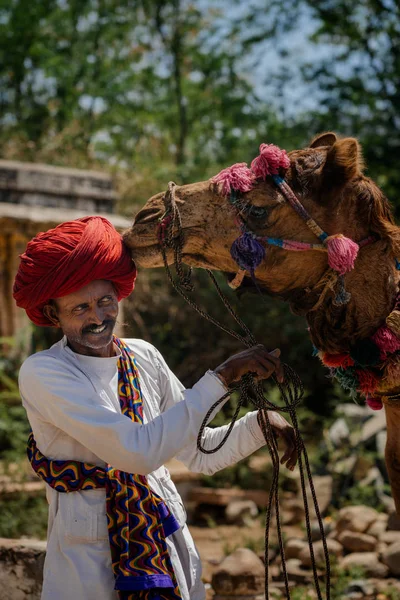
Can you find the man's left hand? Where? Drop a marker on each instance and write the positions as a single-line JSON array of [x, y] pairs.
[[282, 429]]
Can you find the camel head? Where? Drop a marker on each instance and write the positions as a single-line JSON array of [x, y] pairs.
[[245, 222], [327, 177]]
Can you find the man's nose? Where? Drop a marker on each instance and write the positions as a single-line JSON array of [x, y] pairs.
[[97, 315]]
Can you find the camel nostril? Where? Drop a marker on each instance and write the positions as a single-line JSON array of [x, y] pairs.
[[149, 215]]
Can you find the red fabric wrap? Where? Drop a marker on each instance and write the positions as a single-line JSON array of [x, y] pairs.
[[64, 259]]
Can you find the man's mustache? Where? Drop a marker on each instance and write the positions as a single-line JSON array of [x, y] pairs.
[[94, 327]]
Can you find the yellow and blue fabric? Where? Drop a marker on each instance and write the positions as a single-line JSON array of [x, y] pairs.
[[138, 519]]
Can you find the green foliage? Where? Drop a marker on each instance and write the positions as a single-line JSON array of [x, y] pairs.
[[156, 88], [14, 427], [353, 73], [340, 580], [23, 516], [14, 431]]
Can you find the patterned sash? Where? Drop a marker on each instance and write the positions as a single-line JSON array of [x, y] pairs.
[[138, 519]]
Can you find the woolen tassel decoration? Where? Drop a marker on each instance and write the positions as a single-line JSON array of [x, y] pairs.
[[374, 403], [393, 322], [386, 340], [342, 253], [247, 252], [269, 161], [337, 360], [347, 378], [342, 297], [238, 177], [391, 375], [368, 381]]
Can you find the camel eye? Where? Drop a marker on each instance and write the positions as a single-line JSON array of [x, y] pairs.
[[258, 212]]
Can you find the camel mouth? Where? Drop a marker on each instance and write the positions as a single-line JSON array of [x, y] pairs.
[[197, 260], [247, 285], [151, 256]]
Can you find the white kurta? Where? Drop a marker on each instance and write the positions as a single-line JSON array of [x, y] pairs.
[[73, 408]]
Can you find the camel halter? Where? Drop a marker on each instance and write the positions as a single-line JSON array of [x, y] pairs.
[[248, 250]]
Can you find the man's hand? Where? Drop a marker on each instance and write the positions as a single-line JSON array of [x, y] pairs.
[[256, 360], [282, 429]]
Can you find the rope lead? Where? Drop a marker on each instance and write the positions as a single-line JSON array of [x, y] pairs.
[[171, 236]]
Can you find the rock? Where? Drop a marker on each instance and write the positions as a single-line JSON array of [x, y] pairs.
[[293, 511], [374, 477], [380, 549], [334, 549], [323, 485], [240, 574], [362, 586], [297, 573], [379, 527], [355, 412], [345, 466], [21, 568], [387, 502], [393, 521], [387, 586], [353, 541], [339, 432], [316, 532], [373, 426], [291, 481], [241, 512], [293, 547], [390, 537], [391, 558], [362, 467], [368, 561], [356, 518]]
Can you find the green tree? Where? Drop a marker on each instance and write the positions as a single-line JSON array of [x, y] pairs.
[[354, 73]]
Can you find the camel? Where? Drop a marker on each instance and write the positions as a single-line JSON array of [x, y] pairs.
[[347, 286]]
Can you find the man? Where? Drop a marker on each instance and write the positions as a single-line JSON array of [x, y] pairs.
[[78, 395]]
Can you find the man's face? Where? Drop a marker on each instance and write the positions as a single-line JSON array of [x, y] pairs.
[[87, 317]]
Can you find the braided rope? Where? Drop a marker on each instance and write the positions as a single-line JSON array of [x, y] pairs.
[[171, 237], [299, 208]]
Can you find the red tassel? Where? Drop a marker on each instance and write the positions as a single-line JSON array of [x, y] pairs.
[[337, 360]]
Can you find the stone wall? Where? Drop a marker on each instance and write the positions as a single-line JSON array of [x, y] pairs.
[[35, 184], [21, 569]]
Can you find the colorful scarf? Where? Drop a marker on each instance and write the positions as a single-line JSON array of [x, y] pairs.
[[138, 519]]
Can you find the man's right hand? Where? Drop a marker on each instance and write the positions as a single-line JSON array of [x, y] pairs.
[[256, 360]]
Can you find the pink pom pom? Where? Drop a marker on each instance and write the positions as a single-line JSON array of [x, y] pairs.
[[238, 176], [374, 403], [386, 340], [270, 160], [368, 381], [342, 253]]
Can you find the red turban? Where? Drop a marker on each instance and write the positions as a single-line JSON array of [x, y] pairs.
[[65, 259]]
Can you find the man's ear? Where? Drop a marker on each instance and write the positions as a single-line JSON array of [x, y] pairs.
[[50, 311], [323, 139], [343, 162]]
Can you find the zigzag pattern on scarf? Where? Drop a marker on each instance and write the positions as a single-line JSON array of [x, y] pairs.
[[138, 519]]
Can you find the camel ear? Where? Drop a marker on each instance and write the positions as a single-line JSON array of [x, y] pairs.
[[343, 162], [323, 139]]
